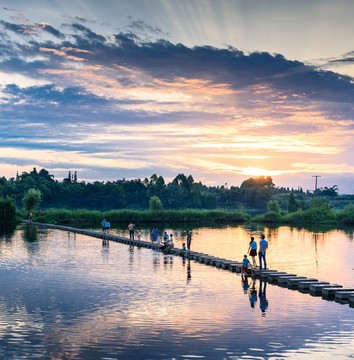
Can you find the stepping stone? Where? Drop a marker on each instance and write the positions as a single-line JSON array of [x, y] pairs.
[[215, 261], [227, 263], [274, 276], [286, 280], [233, 266], [331, 291], [264, 274], [351, 300], [283, 279], [305, 284], [343, 295], [295, 282]]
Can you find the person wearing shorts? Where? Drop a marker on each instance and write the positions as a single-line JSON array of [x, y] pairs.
[[252, 249], [245, 263], [131, 231]]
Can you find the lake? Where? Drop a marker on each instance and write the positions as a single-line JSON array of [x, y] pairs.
[[68, 296]]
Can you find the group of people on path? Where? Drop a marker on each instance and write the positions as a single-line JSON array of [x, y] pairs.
[[106, 225], [166, 242], [252, 250]]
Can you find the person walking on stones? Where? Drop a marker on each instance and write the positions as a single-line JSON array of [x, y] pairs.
[[189, 240], [139, 234], [155, 233], [263, 246], [131, 231], [103, 223], [252, 250], [245, 263]]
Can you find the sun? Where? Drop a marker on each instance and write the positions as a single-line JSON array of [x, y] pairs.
[[253, 171]]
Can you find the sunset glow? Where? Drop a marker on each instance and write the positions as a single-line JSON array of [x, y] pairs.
[[125, 90]]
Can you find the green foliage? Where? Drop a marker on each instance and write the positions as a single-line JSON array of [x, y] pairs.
[[181, 193], [88, 217], [346, 216], [7, 210], [292, 204], [155, 203], [320, 212], [31, 200], [273, 206], [269, 217], [257, 191]]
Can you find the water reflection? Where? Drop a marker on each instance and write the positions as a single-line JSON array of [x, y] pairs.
[[262, 294], [7, 230], [31, 233], [71, 302]]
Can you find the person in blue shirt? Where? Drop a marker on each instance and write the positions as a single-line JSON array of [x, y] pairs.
[[245, 263], [263, 246], [252, 249], [154, 233], [108, 226], [103, 223]]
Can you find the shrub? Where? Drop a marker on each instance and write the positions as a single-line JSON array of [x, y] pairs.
[[292, 203], [346, 216], [273, 206], [7, 210], [269, 217], [31, 200], [155, 203]]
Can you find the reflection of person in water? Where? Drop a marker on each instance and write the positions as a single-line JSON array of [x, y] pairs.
[[244, 281], [189, 276], [252, 294], [263, 305]]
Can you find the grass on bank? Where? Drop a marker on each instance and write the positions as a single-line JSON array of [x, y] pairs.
[[59, 216], [318, 213], [321, 213]]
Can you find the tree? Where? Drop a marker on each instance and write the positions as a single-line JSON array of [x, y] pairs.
[[292, 203], [7, 209], [155, 203], [32, 200], [273, 206]]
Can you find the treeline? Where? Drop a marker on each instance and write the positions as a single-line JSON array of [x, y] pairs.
[[181, 193]]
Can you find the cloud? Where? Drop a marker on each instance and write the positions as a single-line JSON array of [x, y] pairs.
[[87, 33], [165, 61], [20, 28], [105, 95], [32, 29], [141, 26], [48, 28]]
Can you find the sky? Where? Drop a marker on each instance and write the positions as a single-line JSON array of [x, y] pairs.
[[222, 90]]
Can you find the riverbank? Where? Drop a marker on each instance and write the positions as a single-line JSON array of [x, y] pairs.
[[321, 215], [62, 216]]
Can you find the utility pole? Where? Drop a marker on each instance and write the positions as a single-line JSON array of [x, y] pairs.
[[315, 176]]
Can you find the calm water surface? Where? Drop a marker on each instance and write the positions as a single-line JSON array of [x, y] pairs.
[[327, 256], [66, 296]]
